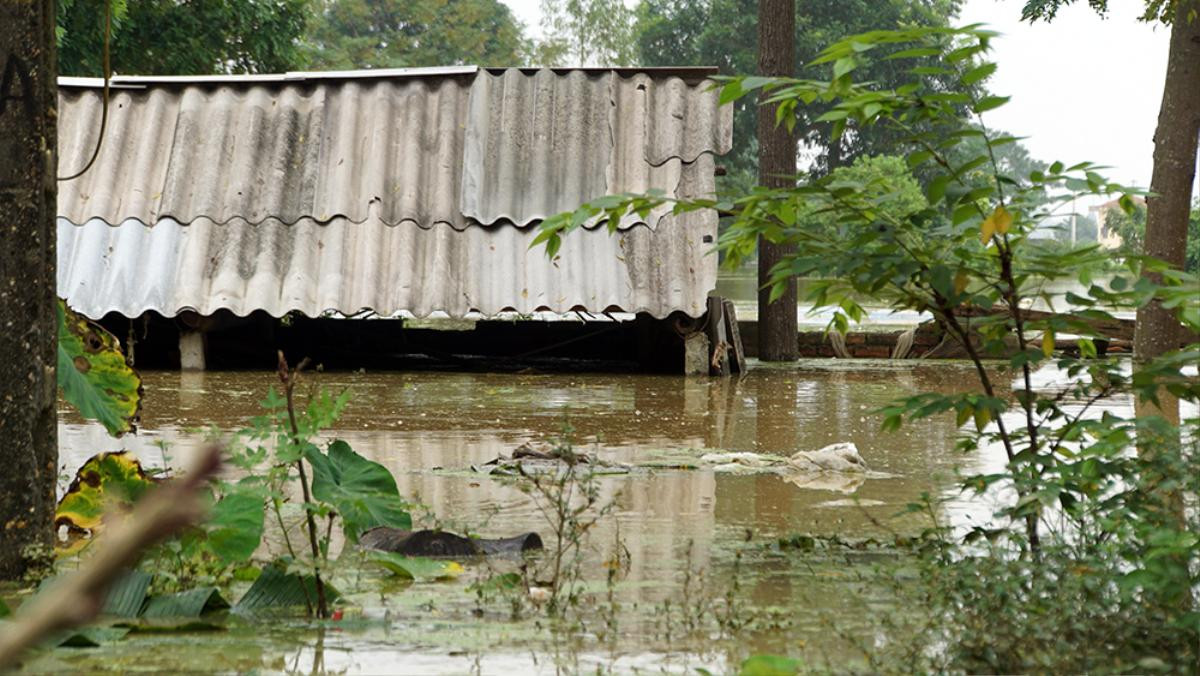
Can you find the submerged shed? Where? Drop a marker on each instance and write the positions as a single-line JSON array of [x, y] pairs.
[[405, 192]]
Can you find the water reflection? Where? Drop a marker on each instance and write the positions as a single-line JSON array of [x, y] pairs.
[[429, 428], [417, 423]]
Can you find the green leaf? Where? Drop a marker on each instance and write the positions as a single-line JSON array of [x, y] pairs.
[[416, 568], [363, 492], [978, 73], [94, 375], [235, 526], [190, 603], [990, 103], [105, 480], [770, 665], [278, 589]]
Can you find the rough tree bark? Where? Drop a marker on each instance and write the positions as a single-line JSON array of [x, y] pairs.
[[777, 329], [1175, 148], [1167, 208], [28, 339]]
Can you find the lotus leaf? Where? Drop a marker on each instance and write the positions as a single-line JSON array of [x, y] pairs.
[[94, 375], [362, 491]]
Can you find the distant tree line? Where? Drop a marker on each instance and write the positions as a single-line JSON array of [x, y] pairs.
[[169, 37]]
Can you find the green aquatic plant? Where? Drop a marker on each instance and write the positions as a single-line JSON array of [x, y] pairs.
[[345, 485], [1086, 485]]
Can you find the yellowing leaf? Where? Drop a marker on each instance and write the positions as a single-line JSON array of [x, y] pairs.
[[94, 375], [1003, 218], [983, 416], [104, 481], [1048, 343], [998, 222], [960, 282]]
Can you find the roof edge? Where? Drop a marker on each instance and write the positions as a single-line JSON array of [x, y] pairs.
[[142, 81]]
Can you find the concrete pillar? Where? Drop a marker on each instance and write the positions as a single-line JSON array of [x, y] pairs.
[[191, 350], [696, 357]]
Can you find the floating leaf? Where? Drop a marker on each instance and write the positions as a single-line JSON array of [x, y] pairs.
[[104, 480], [190, 603], [363, 492], [276, 588], [169, 626], [94, 375], [770, 665], [90, 637], [415, 568]]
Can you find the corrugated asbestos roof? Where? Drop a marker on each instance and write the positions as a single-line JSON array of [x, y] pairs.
[[403, 191], [347, 267]]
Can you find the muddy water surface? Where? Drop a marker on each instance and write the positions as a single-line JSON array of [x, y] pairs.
[[683, 528]]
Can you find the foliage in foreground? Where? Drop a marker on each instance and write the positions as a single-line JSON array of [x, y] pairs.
[[1095, 504], [94, 375]]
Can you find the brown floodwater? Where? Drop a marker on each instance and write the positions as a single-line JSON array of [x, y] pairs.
[[678, 525]]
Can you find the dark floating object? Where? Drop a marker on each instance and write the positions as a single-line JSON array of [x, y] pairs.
[[433, 543]]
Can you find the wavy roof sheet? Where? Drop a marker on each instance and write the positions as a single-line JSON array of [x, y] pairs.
[[459, 162], [347, 267]]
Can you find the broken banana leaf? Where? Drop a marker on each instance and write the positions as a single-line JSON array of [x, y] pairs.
[[128, 595], [190, 603], [276, 588], [94, 375]]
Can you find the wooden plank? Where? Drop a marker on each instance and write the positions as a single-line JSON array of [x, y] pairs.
[[718, 345], [738, 362]]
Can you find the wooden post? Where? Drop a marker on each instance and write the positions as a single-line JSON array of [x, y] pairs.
[[715, 329], [28, 328], [738, 361]]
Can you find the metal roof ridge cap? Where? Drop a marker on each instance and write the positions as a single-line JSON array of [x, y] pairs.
[[94, 82], [141, 81], [623, 71], [422, 71]]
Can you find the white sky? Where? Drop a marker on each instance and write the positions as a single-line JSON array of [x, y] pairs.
[[1083, 88]]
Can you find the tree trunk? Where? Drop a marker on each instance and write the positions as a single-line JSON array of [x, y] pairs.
[[1175, 145], [777, 332], [28, 336]]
